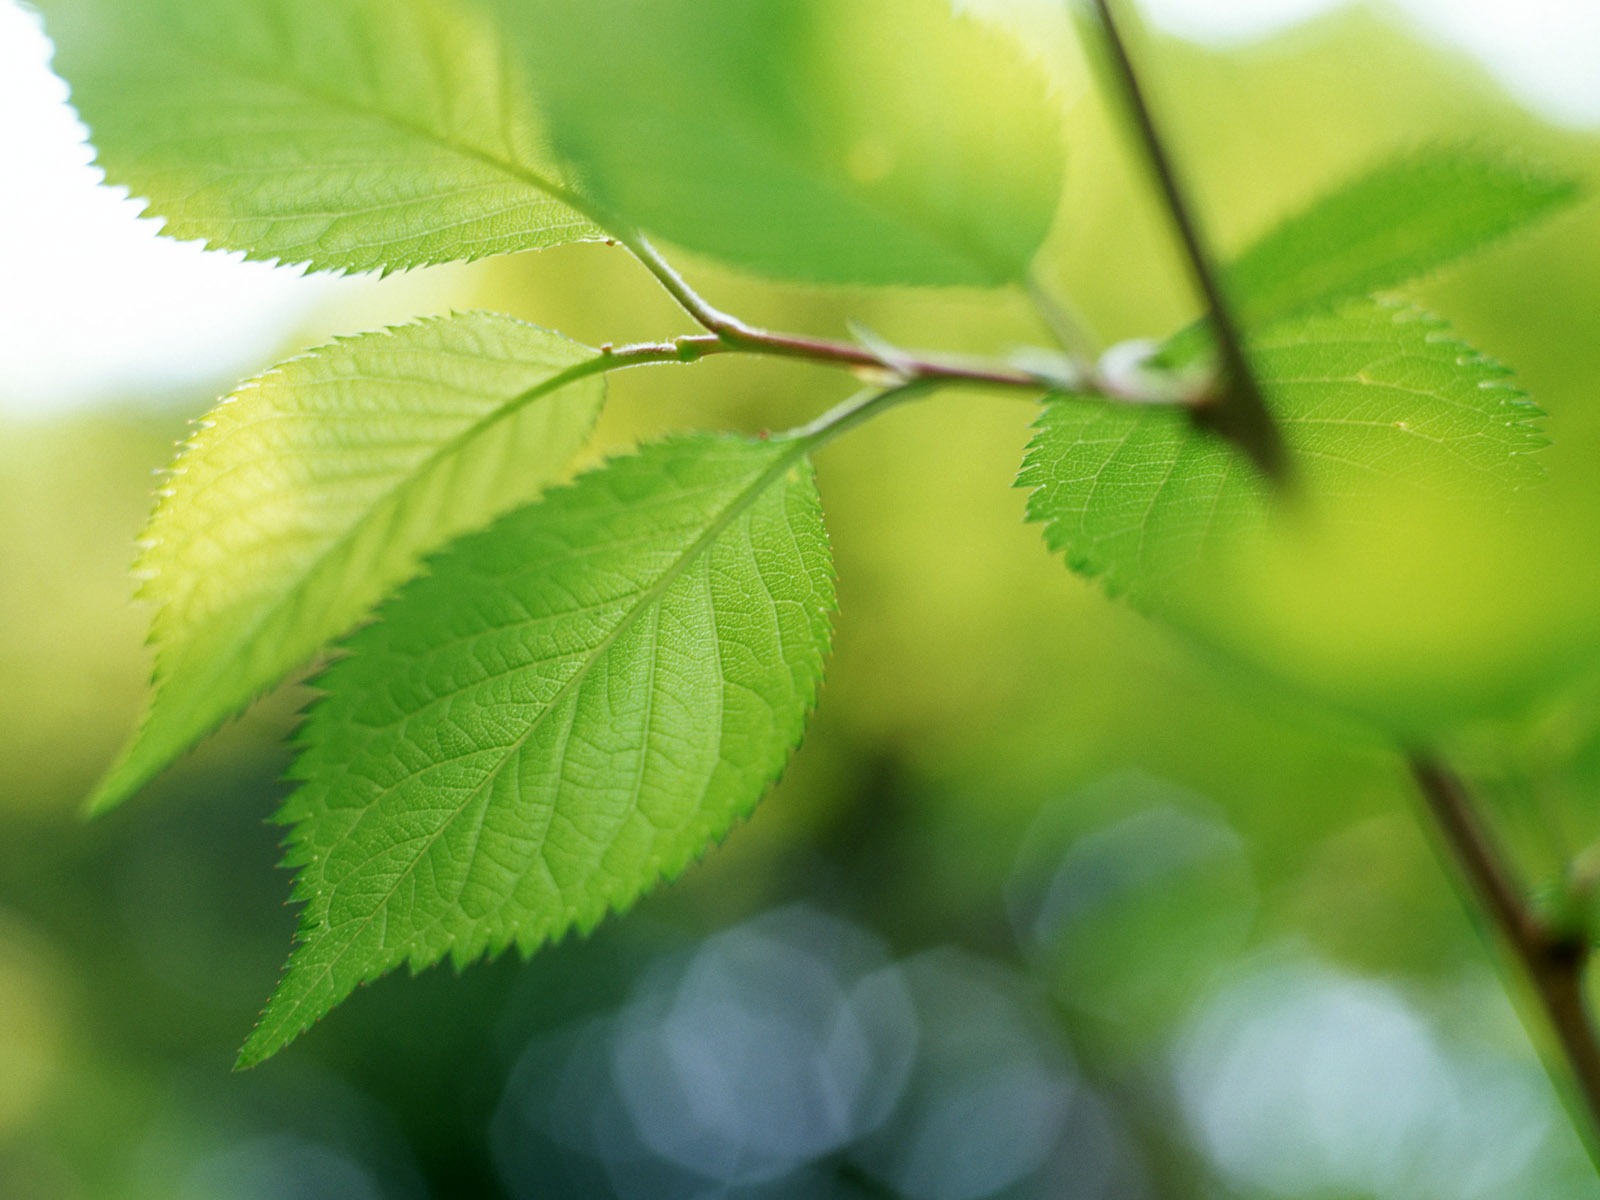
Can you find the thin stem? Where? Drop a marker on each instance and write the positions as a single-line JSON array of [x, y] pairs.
[[1552, 959], [859, 409], [1240, 413], [705, 314], [736, 335], [689, 348], [692, 347], [1063, 323]]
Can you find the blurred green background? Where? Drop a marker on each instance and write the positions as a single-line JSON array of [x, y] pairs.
[[1049, 904]]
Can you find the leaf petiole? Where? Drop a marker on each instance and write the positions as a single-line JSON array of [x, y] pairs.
[[735, 335]]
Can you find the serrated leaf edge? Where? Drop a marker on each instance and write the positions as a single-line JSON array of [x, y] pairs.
[[611, 904], [104, 798]]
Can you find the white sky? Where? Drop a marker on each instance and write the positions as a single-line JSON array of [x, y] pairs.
[[92, 302], [1546, 52], [93, 305]]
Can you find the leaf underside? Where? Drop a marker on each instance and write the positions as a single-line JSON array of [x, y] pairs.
[[568, 707], [344, 134], [313, 490], [1370, 392]]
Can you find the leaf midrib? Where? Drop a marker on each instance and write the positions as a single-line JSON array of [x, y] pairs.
[[390, 500], [720, 524], [297, 85]]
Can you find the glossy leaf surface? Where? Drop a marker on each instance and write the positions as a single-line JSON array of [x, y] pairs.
[[346, 134]]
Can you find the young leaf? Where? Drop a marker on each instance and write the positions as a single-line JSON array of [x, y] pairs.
[[346, 134], [829, 140], [567, 708], [311, 491], [1370, 391], [1407, 217]]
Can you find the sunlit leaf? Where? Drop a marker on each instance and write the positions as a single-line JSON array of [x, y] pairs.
[[311, 491], [569, 707], [347, 134]]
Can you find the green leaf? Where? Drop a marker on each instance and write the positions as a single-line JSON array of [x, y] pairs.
[[1371, 391], [311, 491], [823, 140], [567, 708], [1407, 217], [347, 134]]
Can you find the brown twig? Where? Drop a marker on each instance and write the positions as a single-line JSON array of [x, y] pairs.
[[1240, 413], [1553, 959], [729, 334]]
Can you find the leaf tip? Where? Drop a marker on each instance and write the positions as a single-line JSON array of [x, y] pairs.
[[119, 783], [263, 1043], [281, 1022]]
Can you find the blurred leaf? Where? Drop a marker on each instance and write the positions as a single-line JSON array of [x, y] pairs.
[[571, 706], [830, 141], [1418, 610], [313, 490], [1407, 217], [1372, 391], [1418, 580], [347, 134]]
